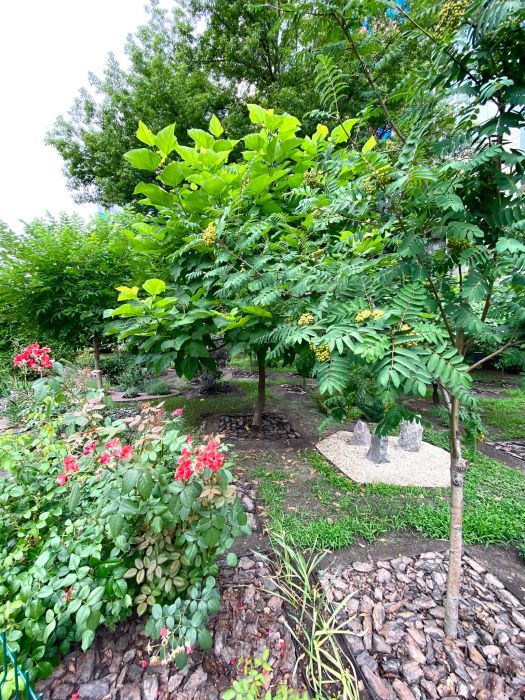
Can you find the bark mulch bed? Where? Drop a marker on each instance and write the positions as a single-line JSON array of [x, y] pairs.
[[293, 389], [398, 620], [514, 448], [274, 427]]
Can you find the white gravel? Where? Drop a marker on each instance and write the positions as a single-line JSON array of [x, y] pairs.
[[429, 467]]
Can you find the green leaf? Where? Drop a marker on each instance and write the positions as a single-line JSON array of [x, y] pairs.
[[231, 559], [215, 127], [205, 639], [258, 115], [143, 159], [201, 138], [74, 498], [257, 311], [154, 286], [166, 140], [181, 660], [116, 524], [87, 639], [145, 135], [173, 174], [145, 483], [369, 145], [155, 194]]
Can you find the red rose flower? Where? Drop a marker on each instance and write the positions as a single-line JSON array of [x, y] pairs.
[[62, 479], [71, 463], [89, 447], [105, 458]]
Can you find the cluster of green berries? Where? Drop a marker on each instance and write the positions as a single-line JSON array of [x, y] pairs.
[[322, 352], [451, 14], [457, 245], [312, 179], [306, 320], [210, 234]]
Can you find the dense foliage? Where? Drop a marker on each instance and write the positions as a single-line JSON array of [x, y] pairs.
[[58, 277], [102, 517], [210, 56]]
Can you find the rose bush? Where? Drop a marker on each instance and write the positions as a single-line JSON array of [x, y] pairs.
[[105, 517]]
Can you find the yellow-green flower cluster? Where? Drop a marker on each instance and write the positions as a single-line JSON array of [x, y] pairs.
[[306, 320], [210, 234], [322, 352], [374, 314], [451, 14], [312, 179]]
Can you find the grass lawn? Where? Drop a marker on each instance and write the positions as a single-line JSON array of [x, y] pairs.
[[506, 416], [318, 506]]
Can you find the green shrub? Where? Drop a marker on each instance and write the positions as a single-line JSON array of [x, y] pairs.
[[134, 376], [157, 387], [255, 681], [93, 528], [114, 366]]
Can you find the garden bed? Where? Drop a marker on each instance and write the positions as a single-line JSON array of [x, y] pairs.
[[274, 427], [397, 619], [119, 665]]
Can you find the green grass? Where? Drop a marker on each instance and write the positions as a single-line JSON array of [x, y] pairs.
[[506, 415], [345, 511]]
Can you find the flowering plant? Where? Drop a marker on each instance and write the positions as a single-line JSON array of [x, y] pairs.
[[98, 521], [35, 357]]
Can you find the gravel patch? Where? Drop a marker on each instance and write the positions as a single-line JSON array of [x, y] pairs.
[[429, 467]]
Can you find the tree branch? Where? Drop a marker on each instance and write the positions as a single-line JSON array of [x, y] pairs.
[[344, 28], [492, 355]]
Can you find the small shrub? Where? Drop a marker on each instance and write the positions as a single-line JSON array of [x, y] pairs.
[[256, 681], [158, 387], [115, 365], [134, 376]]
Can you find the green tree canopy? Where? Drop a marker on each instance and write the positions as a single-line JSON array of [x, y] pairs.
[[59, 275]]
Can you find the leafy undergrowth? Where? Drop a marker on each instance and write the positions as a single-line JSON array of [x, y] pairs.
[[506, 416], [196, 409], [330, 511]]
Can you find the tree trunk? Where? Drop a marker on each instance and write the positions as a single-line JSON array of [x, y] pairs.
[[261, 389], [96, 357], [457, 474], [435, 394]]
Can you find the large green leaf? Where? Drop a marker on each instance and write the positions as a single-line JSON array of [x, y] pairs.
[[143, 159]]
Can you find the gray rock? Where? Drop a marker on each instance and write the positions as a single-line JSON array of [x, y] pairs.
[[94, 690], [379, 645], [361, 435], [197, 679], [85, 666], [245, 563], [411, 436], [378, 616], [402, 690], [412, 672], [128, 656], [518, 619], [380, 688], [364, 567], [378, 452], [150, 687], [63, 692]]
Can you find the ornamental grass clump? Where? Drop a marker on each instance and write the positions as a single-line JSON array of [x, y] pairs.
[[105, 518]]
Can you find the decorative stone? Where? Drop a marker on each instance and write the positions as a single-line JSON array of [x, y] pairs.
[[94, 690], [378, 452], [411, 436], [362, 435], [379, 687]]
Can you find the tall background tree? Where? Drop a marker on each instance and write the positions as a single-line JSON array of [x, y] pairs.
[[59, 276], [205, 57]]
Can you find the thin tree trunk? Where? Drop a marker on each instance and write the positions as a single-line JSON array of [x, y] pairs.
[[96, 357], [261, 389], [457, 474]]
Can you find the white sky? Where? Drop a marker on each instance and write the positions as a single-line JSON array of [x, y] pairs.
[[47, 48]]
